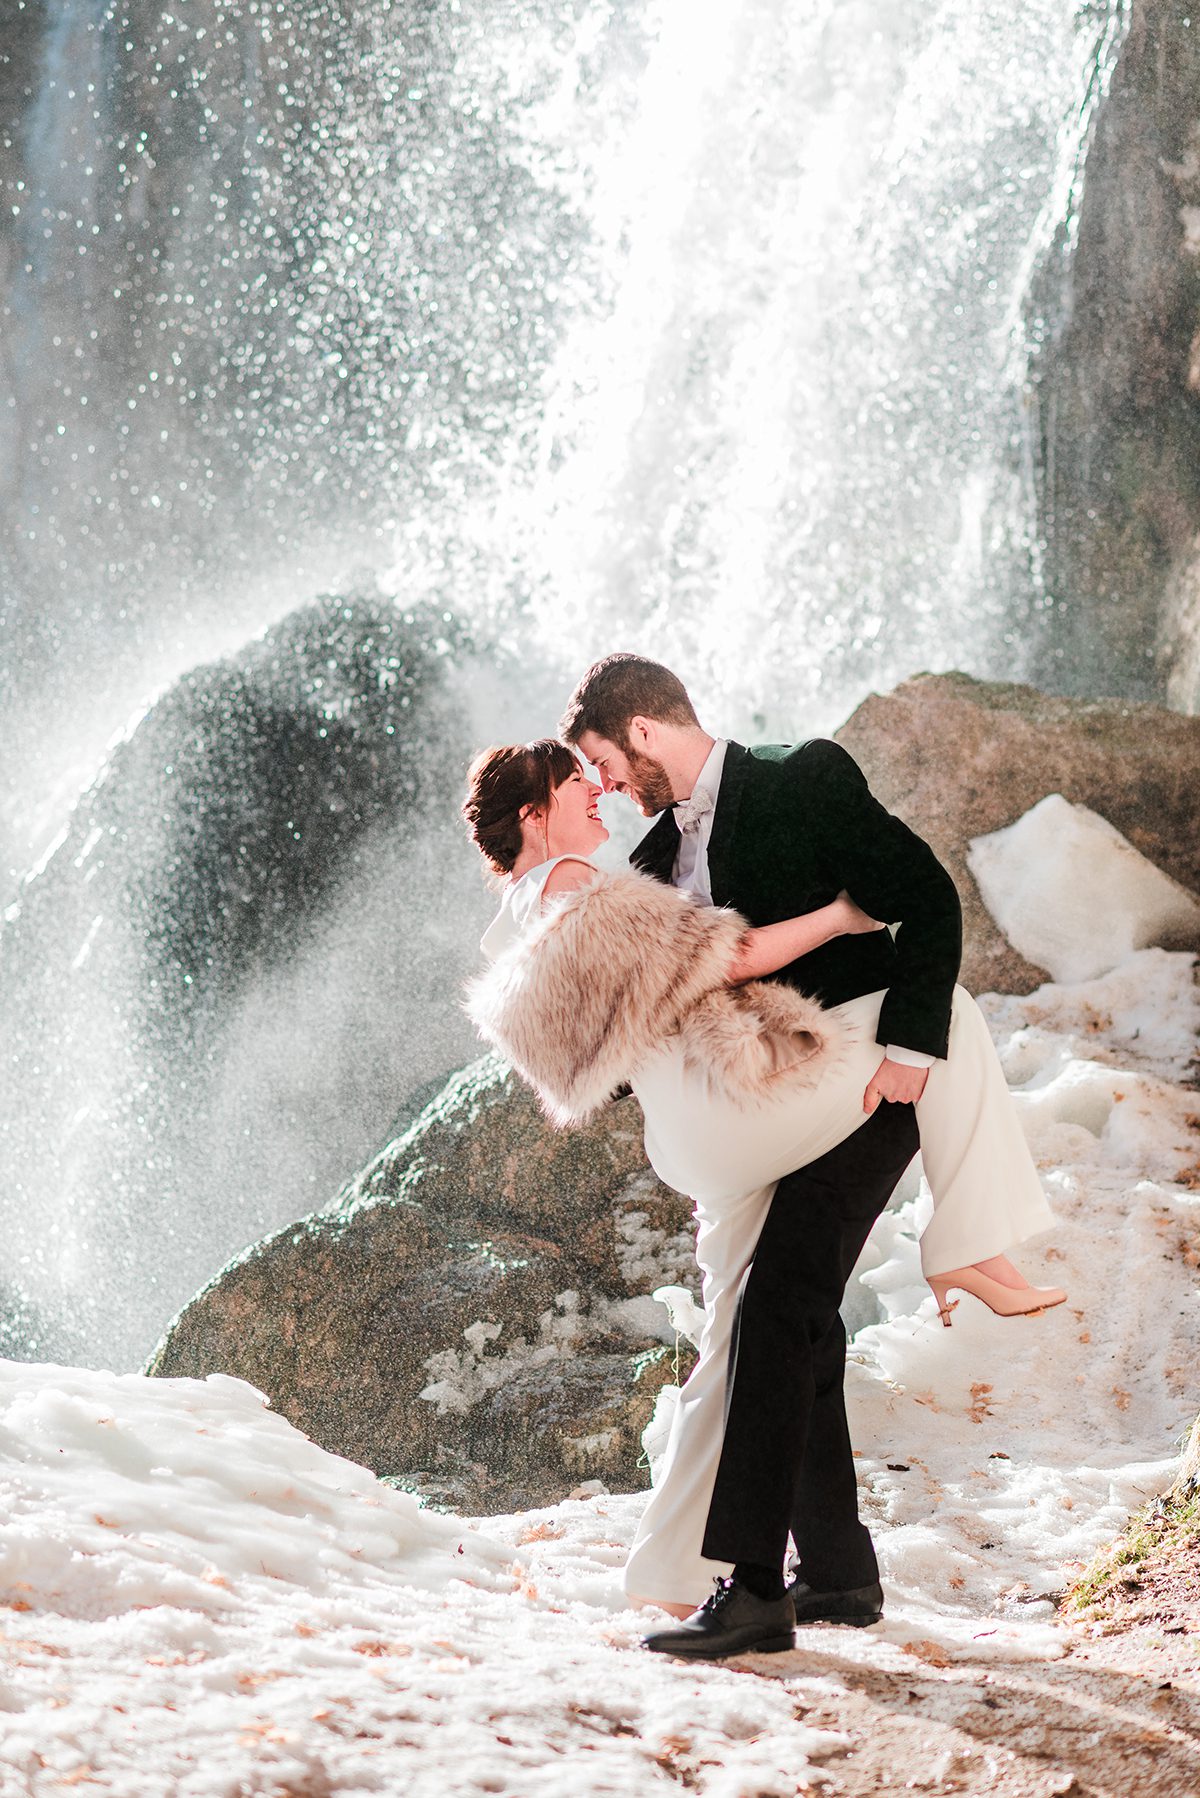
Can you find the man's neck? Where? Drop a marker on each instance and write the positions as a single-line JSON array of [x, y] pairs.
[[685, 766]]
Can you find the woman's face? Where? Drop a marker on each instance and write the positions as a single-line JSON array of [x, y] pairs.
[[573, 825]]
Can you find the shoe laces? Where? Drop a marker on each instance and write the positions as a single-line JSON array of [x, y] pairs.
[[721, 1593]]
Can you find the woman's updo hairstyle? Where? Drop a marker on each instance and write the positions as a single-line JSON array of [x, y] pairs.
[[501, 783]]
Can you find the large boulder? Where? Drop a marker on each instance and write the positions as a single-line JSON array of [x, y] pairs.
[[470, 1313], [958, 758], [199, 987]]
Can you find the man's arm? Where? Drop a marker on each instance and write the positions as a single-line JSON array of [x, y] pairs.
[[892, 874]]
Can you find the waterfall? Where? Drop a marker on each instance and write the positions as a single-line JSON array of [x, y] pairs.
[[706, 330], [790, 453], [616, 323]]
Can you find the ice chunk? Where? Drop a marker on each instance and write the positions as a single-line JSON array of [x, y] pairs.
[[685, 1314], [657, 1433], [1074, 896]]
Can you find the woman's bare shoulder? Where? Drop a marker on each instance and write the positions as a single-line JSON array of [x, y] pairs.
[[567, 875]]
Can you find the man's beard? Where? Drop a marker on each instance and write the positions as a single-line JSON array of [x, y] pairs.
[[648, 783]]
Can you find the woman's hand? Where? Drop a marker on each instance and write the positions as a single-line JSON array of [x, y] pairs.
[[857, 922]]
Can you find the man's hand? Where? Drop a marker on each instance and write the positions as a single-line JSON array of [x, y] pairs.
[[895, 1082]]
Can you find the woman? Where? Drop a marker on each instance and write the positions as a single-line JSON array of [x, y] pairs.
[[601, 979]]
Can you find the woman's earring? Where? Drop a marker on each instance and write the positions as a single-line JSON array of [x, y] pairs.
[[542, 819]]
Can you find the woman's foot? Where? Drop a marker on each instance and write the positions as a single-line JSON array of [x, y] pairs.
[[999, 1284], [999, 1267], [661, 1604]]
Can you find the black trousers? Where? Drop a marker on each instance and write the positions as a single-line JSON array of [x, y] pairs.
[[786, 1463]]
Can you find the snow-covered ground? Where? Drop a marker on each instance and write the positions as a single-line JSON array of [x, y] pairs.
[[199, 1602]]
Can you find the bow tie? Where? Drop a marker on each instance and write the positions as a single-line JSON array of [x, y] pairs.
[[689, 814]]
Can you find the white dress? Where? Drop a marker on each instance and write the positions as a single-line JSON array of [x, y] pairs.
[[727, 1157]]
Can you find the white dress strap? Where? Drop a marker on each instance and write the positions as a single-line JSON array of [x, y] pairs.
[[521, 904]]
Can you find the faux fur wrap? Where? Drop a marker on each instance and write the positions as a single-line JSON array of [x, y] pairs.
[[591, 991]]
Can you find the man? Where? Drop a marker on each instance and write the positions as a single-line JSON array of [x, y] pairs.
[[776, 831]]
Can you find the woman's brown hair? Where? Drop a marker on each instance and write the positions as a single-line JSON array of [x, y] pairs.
[[501, 782]]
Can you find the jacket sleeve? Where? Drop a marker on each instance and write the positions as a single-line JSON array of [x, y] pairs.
[[894, 875]]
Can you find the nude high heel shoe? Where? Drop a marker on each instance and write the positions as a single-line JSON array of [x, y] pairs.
[[1005, 1301]]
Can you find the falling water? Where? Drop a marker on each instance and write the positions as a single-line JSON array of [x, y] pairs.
[[791, 449], [589, 324]]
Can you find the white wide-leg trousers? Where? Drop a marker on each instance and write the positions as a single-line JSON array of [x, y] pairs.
[[986, 1196]]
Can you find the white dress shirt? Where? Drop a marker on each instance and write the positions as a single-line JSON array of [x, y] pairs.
[[694, 816]]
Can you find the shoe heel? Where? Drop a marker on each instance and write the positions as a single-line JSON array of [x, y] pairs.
[[775, 1645], [1004, 1301], [944, 1310]]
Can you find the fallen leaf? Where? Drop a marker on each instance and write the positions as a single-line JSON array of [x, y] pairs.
[[540, 1532], [979, 1407]]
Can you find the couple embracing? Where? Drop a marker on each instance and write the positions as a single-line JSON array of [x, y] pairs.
[[790, 1054]]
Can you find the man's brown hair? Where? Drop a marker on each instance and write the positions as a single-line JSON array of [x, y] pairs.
[[621, 687]]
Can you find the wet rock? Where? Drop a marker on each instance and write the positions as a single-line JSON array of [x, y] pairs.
[[336, 1325], [200, 987], [459, 1318], [482, 1150], [959, 758], [1115, 389], [546, 1429]]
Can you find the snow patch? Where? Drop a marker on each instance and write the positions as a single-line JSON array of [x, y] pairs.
[[1074, 896]]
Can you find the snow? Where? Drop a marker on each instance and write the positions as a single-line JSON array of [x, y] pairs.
[[1073, 895], [200, 1603]]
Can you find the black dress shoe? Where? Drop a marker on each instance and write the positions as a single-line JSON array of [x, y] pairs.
[[732, 1621], [859, 1607]]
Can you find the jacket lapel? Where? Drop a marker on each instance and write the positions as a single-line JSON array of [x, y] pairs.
[[729, 801], [655, 854]]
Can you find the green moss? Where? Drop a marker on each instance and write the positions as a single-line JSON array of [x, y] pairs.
[[1166, 1522]]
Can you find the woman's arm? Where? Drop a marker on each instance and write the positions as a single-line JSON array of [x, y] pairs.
[[773, 946], [764, 949]]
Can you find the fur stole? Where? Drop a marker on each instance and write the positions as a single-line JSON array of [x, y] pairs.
[[595, 986]]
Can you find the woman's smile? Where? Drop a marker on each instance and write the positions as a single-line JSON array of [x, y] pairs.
[[575, 824]]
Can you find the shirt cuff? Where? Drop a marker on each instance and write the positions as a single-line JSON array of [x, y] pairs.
[[909, 1058]]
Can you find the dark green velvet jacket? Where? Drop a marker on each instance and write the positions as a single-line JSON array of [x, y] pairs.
[[793, 827]]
